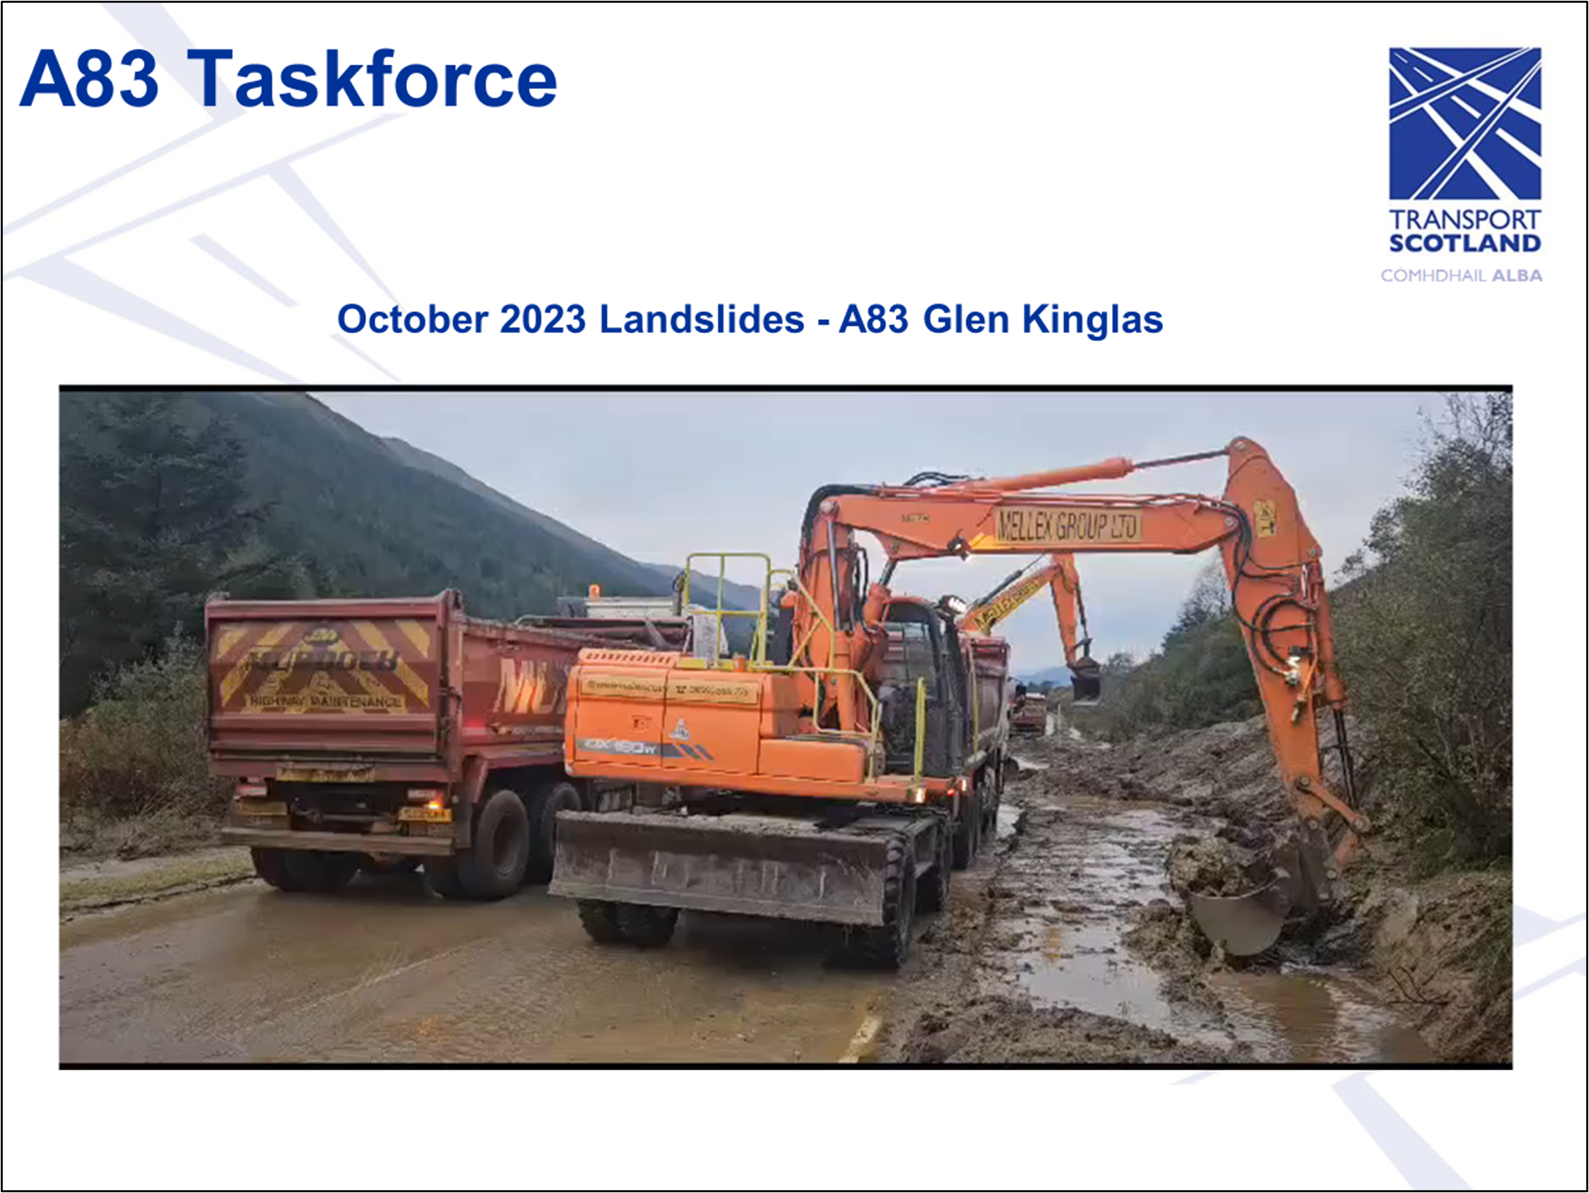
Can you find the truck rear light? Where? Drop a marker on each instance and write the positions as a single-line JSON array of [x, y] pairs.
[[252, 790], [431, 797]]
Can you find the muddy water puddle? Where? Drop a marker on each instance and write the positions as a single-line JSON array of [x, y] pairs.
[[1067, 894], [1303, 1016]]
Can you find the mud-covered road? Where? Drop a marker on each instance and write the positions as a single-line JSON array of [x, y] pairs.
[[382, 973], [1064, 943], [1072, 946]]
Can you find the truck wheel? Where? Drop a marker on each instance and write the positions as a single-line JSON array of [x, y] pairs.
[[543, 808], [933, 893], [600, 920], [990, 808], [968, 831], [441, 878], [500, 849], [644, 926], [323, 872], [271, 865], [888, 945]]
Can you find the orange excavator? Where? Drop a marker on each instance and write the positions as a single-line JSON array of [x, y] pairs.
[[826, 776], [1057, 572]]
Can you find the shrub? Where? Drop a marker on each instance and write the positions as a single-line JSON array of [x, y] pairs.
[[139, 750]]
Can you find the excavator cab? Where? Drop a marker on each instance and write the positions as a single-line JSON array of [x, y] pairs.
[[921, 645]]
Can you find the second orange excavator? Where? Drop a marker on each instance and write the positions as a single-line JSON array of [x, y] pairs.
[[824, 775], [1057, 572]]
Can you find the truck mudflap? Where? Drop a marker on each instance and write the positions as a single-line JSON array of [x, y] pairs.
[[779, 866]]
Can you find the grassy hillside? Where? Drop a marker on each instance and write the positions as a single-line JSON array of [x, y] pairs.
[[644, 576]]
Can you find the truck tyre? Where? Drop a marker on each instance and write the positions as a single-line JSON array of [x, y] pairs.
[[309, 870], [968, 830], [932, 894], [441, 878], [499, 851], [599, 918], [271, 865], [644, 926], [990, 806], [543, 808], [887, 946]]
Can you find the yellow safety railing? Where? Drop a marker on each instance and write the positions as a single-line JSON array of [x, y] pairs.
[[820, 675], [976, 703], [921, 728], [758, 646]]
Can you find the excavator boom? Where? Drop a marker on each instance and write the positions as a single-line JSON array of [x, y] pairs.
[[1273, 566]]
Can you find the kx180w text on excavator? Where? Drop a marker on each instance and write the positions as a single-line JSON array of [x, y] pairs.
[[829, 774]]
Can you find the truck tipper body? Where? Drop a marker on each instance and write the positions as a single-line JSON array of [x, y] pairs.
[[364, 732], [1030, 716]]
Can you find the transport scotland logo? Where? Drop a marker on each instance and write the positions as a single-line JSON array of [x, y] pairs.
[[1465, 124]]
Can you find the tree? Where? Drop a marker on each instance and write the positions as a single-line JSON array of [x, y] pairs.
[[155, 514], [1208, 601], [1426, 645]]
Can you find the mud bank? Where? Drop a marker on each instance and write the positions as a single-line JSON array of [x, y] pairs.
[[1068, 943], [994, 1030]]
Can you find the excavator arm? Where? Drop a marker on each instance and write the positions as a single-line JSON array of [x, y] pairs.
[[1057, 572], [1276, 578]]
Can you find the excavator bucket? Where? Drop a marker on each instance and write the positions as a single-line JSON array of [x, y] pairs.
[[1086, 682], [1243, 924], [1247, 924]]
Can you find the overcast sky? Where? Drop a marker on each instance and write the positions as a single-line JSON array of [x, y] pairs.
[[659, 475]]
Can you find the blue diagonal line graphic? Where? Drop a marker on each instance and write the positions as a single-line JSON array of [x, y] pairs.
[[1576, 967], [1419, 1164], [219, 188], [73, 280], [23, 221], [365, 357], [242, 269], [1431, 185]]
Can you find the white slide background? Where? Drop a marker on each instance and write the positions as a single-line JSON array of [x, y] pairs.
[[1224, 165]]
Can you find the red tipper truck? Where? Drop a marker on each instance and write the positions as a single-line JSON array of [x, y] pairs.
[[1030, 716], [377, 732]]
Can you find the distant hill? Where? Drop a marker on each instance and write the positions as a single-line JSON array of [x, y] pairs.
[[378, 517], [737, 596], [1057, 676]]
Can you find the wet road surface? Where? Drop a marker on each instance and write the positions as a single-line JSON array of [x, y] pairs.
[[381, 972]]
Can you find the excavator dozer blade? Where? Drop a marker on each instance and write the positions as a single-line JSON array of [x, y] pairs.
[[740, 863]]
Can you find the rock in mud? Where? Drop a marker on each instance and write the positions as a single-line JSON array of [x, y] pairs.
[[1206, 866]]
